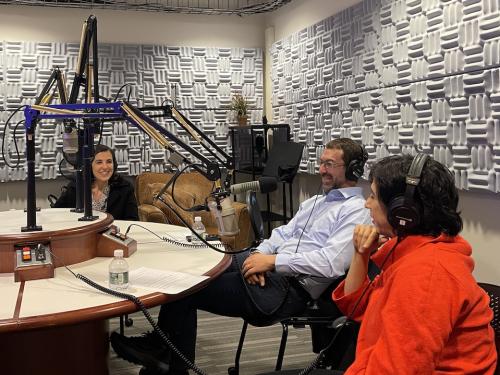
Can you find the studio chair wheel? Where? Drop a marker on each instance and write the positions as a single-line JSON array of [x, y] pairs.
[[129, 322], [125, 321], [232, 371]]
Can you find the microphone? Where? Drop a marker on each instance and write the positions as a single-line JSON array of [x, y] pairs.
[[264, 184], [70, 140], [225, 217]]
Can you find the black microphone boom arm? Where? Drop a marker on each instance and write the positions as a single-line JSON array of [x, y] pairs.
[[222, 157], [137, 118]]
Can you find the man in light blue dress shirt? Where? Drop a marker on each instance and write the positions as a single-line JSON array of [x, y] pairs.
[[277, 279]]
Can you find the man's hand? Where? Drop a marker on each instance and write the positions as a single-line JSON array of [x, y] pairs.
[[255, 266], [257, 279]]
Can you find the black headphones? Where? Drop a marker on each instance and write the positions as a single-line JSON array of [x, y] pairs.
[[403, 213], [356, 166]]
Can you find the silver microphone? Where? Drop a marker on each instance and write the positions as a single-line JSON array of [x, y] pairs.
[[225, 217], [264, 184], [70, 140]]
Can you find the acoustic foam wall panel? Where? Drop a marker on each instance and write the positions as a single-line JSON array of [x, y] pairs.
[[398, 76], [201, 79]]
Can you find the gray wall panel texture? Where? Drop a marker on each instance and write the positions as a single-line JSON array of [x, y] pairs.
[[205, 79], [398, 76]]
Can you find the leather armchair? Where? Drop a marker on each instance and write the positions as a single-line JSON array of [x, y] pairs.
[[190, 189]]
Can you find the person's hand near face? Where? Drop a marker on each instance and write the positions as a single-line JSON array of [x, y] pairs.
[[367, 239]]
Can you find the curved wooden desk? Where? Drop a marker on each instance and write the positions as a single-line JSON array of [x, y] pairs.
[[59, 325]]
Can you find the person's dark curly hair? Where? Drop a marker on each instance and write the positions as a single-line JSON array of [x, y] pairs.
[[436, 196]]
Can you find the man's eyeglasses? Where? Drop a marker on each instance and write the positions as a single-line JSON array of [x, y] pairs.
[[330, 164]]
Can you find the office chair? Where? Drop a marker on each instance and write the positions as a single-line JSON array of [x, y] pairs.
[[319, 315], [255, 218], [494, 293], [282, 163], [52, 200], [323, 318]]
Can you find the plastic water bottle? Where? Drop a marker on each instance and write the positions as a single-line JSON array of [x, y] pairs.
[[199, 228], [118, 271]]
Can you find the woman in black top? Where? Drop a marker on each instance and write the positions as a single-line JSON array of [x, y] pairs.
[[111, 193]]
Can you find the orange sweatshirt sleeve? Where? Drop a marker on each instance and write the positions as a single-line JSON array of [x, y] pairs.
[[347, 302]]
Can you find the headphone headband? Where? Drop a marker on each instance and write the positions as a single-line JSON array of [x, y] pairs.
[[403, 213], [416, 167], [356, 166]]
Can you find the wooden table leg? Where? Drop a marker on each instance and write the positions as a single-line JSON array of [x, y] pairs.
[[80, 349]]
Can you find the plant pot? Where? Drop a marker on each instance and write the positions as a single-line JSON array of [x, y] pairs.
[[242, 120]]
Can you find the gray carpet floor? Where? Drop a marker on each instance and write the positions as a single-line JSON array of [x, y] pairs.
[[217, 342]]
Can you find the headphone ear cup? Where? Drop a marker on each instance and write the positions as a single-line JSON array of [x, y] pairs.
[[402, 216], [354, 170]]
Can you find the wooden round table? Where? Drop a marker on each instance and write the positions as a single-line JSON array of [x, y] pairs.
[[59, 325]]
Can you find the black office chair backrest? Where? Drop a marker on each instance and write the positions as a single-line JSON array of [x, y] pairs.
[[52, 200], [255, 217], [494, 293], [283, 161]]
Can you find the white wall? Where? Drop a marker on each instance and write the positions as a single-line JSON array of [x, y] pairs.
[[13, 193], [22, 23], [480, 212], [300, 14], [289, 19]]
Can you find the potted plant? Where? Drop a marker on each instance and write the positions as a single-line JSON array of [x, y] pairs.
[[240, 106]]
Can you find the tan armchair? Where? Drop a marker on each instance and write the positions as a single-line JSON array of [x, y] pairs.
[[190, 189]]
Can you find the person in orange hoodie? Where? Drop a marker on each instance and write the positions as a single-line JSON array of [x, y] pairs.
[[424, 312]]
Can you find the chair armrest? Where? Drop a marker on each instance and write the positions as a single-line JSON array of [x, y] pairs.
[[148, 212], [243, 220]]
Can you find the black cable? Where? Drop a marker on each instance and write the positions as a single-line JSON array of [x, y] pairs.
[[120, 91], [166, 101], [323, 351], [101, 130], [61, 172], [15, 142], [143, 309], [171, 240], [310, 214], [196, 234], [191, 209]]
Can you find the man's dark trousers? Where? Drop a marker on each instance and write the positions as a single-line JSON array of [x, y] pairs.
[[230, 295]]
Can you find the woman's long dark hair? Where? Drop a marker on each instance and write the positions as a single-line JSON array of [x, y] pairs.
[[436, 196], [103, 148]]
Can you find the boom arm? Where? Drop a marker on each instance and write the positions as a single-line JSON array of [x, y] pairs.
[[136, 117]]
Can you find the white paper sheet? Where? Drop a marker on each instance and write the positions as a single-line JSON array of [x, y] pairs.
[[163, 281]]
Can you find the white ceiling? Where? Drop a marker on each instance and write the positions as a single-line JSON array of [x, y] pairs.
[[215, 7]]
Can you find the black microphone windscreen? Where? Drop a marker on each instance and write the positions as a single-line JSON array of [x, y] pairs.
[[268, 184]]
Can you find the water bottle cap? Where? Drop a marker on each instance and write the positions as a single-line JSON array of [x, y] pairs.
[[118, 253], [197, 218]]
